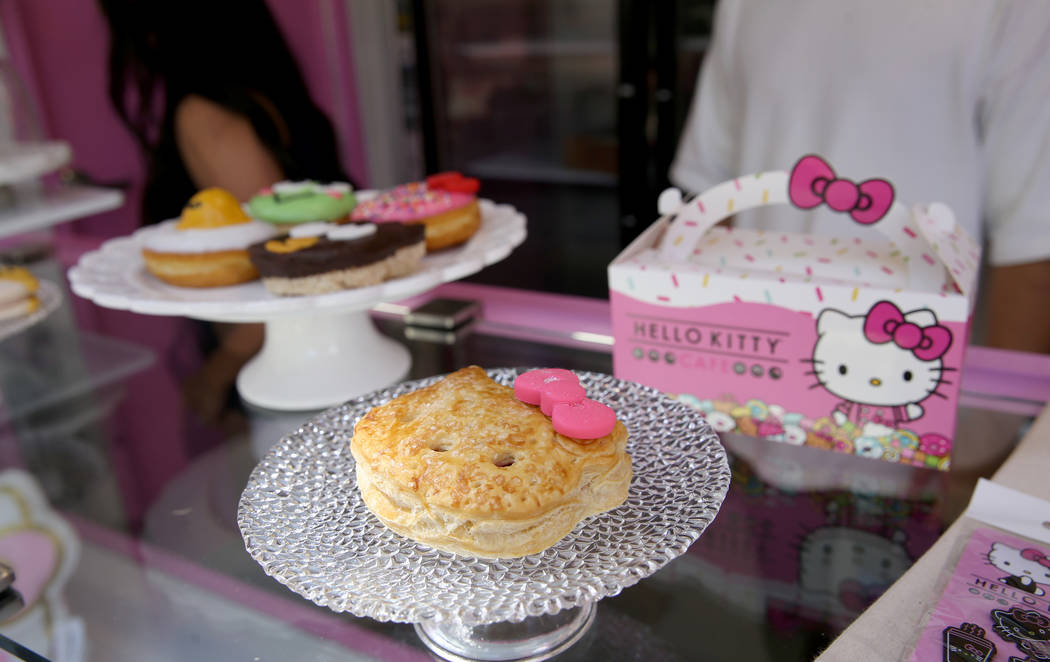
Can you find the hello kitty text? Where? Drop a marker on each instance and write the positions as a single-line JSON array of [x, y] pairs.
[[710, 337]]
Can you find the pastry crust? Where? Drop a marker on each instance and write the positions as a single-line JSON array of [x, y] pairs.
[[464, 466], [213, 269]]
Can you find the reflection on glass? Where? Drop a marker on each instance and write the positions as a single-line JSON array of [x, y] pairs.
[[523, 96]]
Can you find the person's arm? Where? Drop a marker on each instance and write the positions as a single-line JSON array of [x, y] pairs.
[[1014, 127], [220, 148], [1018, 307]]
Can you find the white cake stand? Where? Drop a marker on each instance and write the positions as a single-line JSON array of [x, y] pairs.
[[319, 350]]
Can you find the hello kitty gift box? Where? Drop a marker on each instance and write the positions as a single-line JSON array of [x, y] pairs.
[[848, 344]]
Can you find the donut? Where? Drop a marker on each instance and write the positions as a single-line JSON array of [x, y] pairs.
[[445, 204], [208, 246], [302, 202], [935, 444], [18, 290], [820, 440], [318, 258]]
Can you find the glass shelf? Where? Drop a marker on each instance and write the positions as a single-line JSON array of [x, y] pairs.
[[163, 558], [67, 203], [45, 367]]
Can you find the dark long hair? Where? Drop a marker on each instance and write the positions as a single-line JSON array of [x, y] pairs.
[[228, 51]]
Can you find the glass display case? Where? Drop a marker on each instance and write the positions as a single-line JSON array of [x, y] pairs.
[[125, 447], [803, 543], [570, 111]]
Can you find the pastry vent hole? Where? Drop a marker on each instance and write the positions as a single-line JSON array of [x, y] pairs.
[[440, 446], [503, 460]]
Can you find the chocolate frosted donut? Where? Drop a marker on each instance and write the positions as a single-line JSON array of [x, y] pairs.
[[323, 261]]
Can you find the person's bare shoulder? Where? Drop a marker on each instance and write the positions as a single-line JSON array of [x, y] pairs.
[[220, 148], [195, 109]]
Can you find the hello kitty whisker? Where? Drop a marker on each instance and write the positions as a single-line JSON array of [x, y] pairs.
[[811, 372], [811, 360], [944, 369], [939, 395], [817, 385]]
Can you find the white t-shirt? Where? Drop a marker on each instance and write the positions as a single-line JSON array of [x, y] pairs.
[[948, 99]]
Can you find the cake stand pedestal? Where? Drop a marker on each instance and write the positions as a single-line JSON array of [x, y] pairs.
[[319, 350], [311, 361], [338, 554], [530, 640]]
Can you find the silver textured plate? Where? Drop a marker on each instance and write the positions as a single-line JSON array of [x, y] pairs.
[[303, 520]]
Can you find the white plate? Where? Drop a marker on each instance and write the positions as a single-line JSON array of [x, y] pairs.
[[115, 276]]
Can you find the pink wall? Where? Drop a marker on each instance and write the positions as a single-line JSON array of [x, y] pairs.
[[60, 47], [68, 70], [318, 34]]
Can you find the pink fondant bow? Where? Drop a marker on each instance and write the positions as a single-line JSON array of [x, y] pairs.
[[885, 323], [813, 182], [1037, 556]]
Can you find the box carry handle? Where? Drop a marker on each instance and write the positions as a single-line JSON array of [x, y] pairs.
[[928, 235]]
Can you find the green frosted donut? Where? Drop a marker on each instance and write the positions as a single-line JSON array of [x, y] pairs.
[[302, 202]]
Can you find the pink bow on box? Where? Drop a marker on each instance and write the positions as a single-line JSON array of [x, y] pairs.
[[813, 182], [1037, 556], [885, 323]]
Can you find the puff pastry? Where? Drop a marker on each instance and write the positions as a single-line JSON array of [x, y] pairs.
[[464, 466]]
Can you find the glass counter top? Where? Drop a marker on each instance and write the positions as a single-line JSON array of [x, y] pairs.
[[805, 540]]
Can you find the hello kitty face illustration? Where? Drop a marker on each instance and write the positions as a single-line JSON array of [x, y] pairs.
[[1027, 628], [1025, 568], [884, 359], [43, 550]]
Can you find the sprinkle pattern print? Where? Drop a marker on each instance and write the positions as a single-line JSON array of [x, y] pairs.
[[922, 245], [952, 245], [693, 220], [820, 259]]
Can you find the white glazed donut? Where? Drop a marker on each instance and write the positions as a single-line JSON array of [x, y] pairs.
[[169, 239]]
